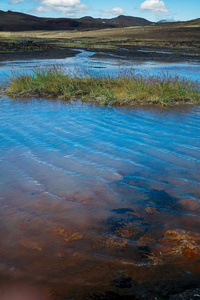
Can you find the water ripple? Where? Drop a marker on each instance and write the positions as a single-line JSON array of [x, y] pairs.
[[83, 181]]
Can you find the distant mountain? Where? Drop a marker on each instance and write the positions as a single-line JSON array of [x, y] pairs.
[[15, 21], [166, 21], [195, 22], [126, 21]]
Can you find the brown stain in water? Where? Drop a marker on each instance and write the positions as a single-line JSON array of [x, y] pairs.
[[73, 250]]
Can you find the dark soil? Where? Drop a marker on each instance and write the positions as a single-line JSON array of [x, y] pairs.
[[148, 53], [27, 50], [33, 50]]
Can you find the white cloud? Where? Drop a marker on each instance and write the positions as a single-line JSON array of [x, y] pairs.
[[60, 6], [42, 9], [115, 11], [155, 6], [71, 15], [63, 3], [16, 1]]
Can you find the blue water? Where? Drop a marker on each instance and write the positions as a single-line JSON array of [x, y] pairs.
[[84, 62], [82, 187], [159, 146]]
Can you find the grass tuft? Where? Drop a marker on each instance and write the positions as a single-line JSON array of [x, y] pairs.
[[128, 88]]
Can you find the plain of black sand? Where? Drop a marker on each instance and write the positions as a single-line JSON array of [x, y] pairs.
[[133, 53]]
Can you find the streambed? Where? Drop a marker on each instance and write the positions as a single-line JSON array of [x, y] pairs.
[[98, 199], [86, 61]]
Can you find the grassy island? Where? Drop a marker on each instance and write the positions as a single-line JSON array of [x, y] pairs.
[[128, 88]]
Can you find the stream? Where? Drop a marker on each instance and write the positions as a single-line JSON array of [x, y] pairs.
[[96, 199]]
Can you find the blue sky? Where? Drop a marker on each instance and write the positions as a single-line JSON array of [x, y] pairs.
[[153, 10]]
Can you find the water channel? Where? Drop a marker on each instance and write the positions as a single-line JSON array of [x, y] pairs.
[[92, 195]]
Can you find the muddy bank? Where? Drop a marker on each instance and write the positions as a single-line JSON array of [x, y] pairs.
[[47, 54], [126, 52], [148, 53]]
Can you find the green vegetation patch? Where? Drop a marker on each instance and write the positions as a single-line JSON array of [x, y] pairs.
[[128, 88], [83, 43]]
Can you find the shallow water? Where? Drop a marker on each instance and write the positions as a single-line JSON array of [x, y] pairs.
[[85, 62], [88, 192], [92, 196]]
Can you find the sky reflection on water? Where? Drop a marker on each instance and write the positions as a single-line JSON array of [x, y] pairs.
[[87, 191], [84, 61], [92, 194]]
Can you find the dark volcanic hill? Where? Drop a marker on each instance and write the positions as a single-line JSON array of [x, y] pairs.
[[121, 21], [15, 21], [125, 21]]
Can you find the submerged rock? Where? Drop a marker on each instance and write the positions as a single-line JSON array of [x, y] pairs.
[[123, 282], [187, 295], [181, 242], [68, 234]]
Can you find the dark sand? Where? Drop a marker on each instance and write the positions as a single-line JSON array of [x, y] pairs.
[[127, 53], [48, 54]]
